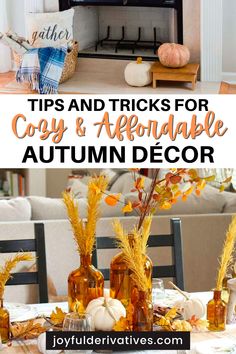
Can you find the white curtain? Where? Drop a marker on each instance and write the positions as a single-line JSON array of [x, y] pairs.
[[5, 53], [34, 5]]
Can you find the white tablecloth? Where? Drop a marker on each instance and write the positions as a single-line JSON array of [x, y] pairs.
[[201, 343]]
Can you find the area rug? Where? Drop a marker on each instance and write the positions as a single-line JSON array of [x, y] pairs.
[[227, 89]]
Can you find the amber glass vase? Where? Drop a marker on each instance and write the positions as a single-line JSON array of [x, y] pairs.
[[143, 313], [4, 323], [216, 313], [121, 284], [84, 284]]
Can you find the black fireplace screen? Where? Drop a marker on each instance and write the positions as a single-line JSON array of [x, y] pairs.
[[168, 3]]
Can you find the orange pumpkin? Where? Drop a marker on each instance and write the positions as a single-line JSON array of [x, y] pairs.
[[173, 55]]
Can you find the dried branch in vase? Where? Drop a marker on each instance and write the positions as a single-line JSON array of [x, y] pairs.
[[227, 253], [163, 193], [10, 264], [84, 231]]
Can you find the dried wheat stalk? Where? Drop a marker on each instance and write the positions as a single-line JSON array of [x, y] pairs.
[[84, 231], [10, 264], [226, 257], [133, 255]]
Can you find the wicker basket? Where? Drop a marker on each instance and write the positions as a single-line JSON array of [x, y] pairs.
[[69, 65]]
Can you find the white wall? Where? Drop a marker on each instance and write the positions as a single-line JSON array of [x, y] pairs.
[[16, 10], [56, 181], [16, 13], [229, 37]]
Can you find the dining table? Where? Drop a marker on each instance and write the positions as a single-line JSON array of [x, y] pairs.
[[204, 342]]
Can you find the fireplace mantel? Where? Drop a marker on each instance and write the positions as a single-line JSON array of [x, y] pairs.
[[211, 40], [211, 33]]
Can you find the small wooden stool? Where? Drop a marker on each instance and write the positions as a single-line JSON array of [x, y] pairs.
[[186, 74]]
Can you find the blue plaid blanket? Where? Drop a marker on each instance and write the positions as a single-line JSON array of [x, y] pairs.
[[42, 68]]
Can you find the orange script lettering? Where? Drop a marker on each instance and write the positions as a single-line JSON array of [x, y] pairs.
[[131, 127], [21, 128]]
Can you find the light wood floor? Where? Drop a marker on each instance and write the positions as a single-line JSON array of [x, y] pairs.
[[5, 85], [104, 76], [8, 85]]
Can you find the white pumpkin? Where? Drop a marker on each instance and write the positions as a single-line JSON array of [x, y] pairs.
[[105, 313], [192, 307], [138, 73], [42, 345]]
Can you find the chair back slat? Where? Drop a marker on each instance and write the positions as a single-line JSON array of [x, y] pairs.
[[172, 240], [164, 271], [23, 278], [105, 243], [17, 245], [36, 245], [161, 241]]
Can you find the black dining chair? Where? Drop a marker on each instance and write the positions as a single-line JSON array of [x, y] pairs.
[[36, 245], [173, 240]]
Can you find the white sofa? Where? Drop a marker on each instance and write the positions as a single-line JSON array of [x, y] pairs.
[[204, 224]]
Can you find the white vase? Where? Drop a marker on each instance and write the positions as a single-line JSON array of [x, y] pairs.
[[5, 52], [231, 284]]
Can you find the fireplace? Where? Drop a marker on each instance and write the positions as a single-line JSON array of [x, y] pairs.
[[126, 29]]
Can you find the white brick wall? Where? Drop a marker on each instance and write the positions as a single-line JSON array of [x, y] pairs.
[[91, 22], [86, 26], [132, 18]]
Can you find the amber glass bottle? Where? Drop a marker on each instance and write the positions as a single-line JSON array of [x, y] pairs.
[[84, 284], [143, 313], [216, 313], [4, 323], [121, 284]]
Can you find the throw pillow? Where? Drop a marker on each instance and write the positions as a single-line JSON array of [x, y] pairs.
[[54, 209], [230, 203], [78, 186], [49, 29], [47, 208], [17, 209]]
